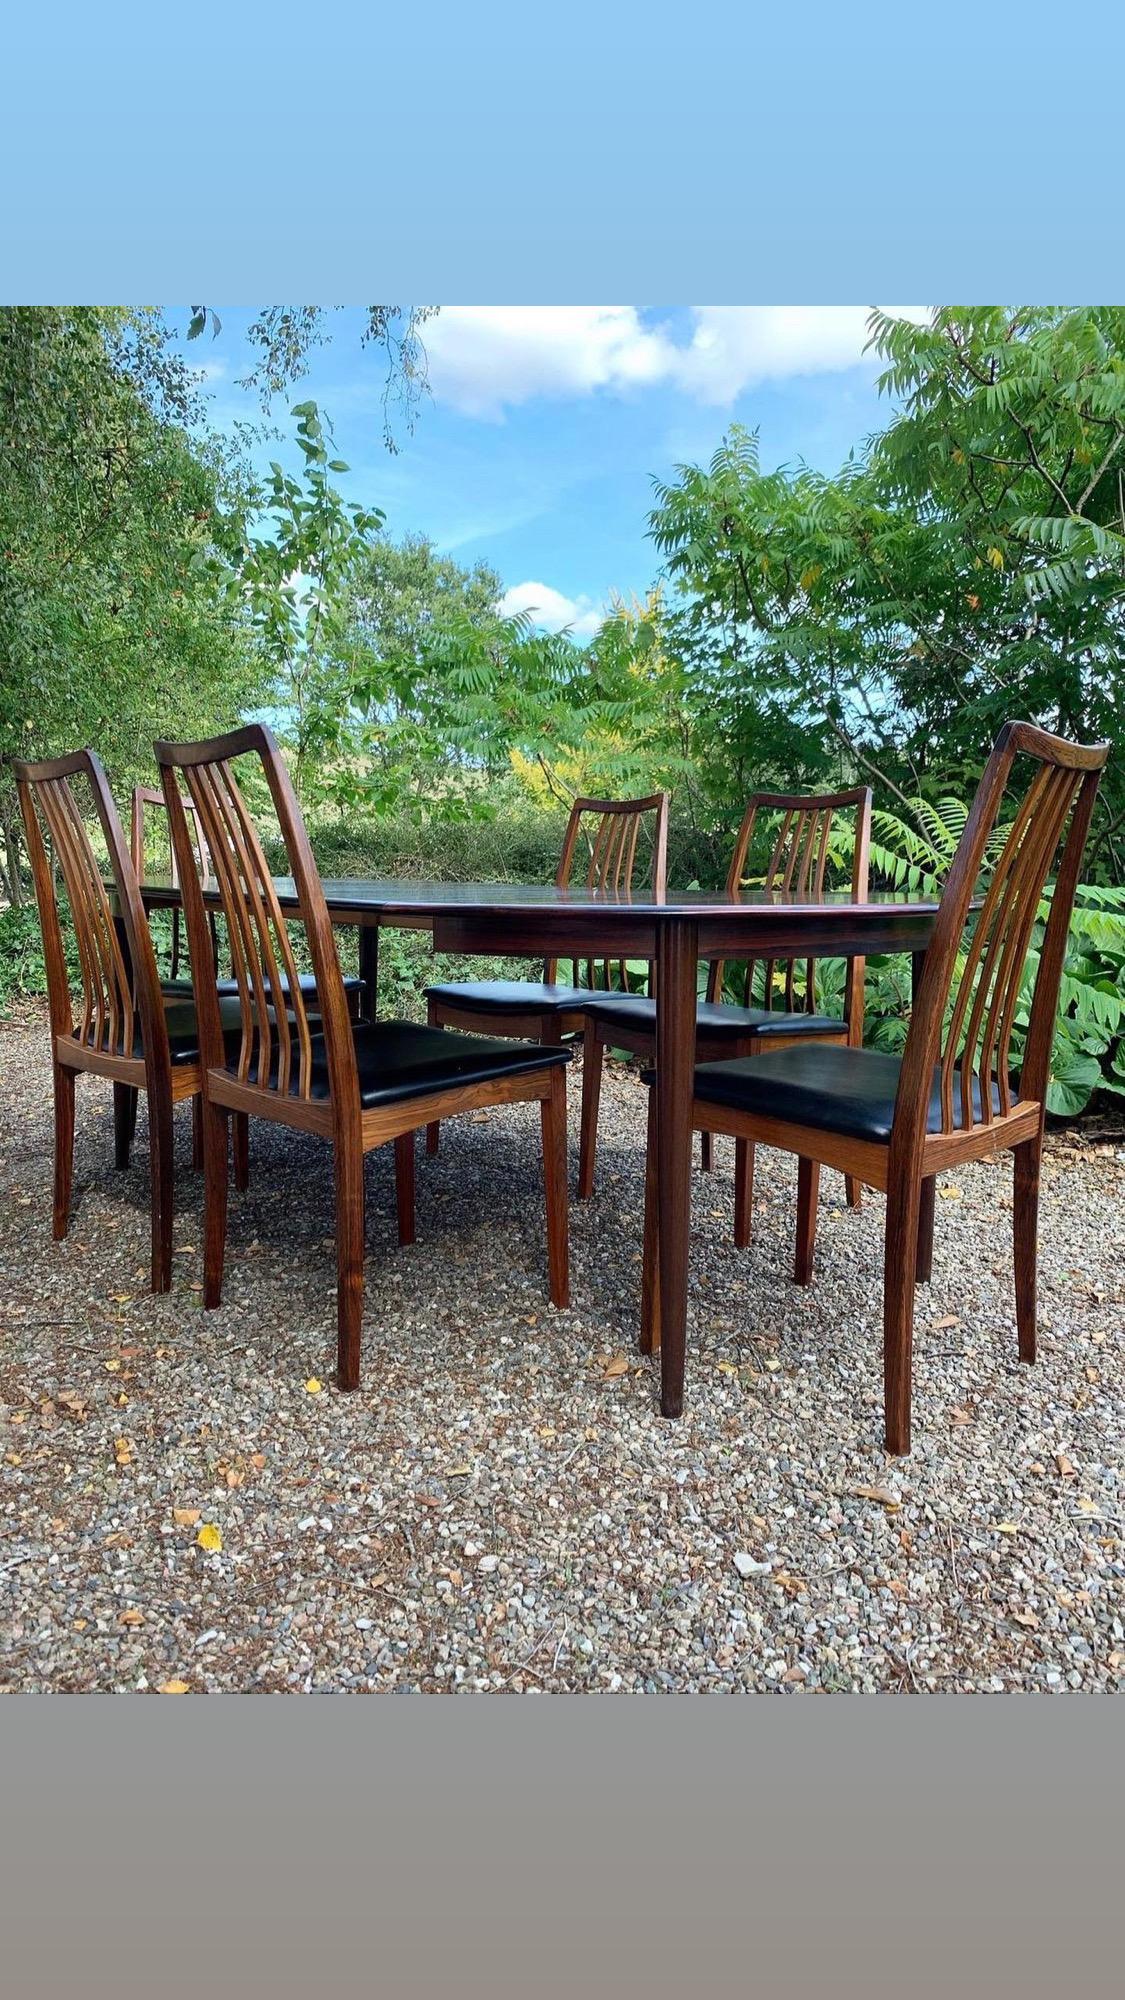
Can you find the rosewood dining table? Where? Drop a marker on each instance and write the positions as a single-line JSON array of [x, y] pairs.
[[675, 931]]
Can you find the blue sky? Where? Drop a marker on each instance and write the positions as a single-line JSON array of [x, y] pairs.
[[546, 425]]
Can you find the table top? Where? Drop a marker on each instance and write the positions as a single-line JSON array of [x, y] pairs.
[[407, 896]]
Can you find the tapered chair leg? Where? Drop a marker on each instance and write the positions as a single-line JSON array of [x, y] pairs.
[[593, 1050], [349, 1259], [433, 1132], [925, 1260], [650, 1268], [240, 1146], [216, 1173], [853, 1190], [64, 1150], [404, 1187], [808, 1190], [707, 1151], [124, 1122], [743, 1191], [162, 1181], [553, 1112], [197, 1132], [899, 1257], [1025, 1241]]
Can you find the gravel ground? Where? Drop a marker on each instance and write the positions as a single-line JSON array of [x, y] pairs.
[[501, 1506]]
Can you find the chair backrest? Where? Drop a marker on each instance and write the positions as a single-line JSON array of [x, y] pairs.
[[963, 1018], [800, 835], [146, 799], [115, 953], [146, 802], [275, 1050], [606, 835]]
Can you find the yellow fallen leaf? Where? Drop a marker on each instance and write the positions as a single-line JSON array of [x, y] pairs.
[[209, 1537], [1086, 1505], [950, 1193], [122, 1451], [113, 1367], [1007, 1528], [131, 1618], [547, 1433], [313, 1387], [726, 1368], [459, 1471], [186, 1517], [172, 1687]]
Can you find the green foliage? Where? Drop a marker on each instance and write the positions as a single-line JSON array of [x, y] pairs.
[[293, 576], [118, 621]]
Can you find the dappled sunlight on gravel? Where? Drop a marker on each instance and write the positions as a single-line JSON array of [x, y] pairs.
[[501, 1506]]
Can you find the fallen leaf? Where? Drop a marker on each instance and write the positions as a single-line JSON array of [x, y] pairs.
[[547, 1434], [950, 1193], [1066, 1469], [122, 1451], [172, 1687], [1027, 1619], [882, 1494], [459, 1471], [947, 1319], [958, 1416], [1086, 1505], [186, 1517], [617, 1364], [1007, 1528], [209, 1536], [313, 1387], [234, 1478], [131, 1618], [257, 1460]]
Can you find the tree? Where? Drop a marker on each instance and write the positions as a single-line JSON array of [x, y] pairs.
[[285, 335], [118, 617], [295, 576], [970, 565]]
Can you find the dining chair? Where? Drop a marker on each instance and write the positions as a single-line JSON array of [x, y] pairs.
[[126, 1031], [801, 833], [896, 1122], [147, 800], [551, 1010], [357, 1084]]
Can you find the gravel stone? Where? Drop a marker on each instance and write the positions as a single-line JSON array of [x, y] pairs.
[[501, 1507]]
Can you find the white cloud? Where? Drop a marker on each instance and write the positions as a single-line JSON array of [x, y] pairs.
[[550, 610], [486, 358]]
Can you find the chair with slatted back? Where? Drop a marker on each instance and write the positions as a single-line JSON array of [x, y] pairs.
[[126, 1030], [357, 1084], [553, 1009], [800, 836], [145, 799], [897, 1122]]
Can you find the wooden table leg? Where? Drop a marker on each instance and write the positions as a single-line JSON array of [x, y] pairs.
[[924, 1258], [677, 953], [369, 969]]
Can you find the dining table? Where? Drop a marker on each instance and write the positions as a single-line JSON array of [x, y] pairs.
[[676, 931]]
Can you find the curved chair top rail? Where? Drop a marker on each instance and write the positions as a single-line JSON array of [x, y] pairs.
[[116, 959], [797, 864], [962, 1022], [275, 1050]]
